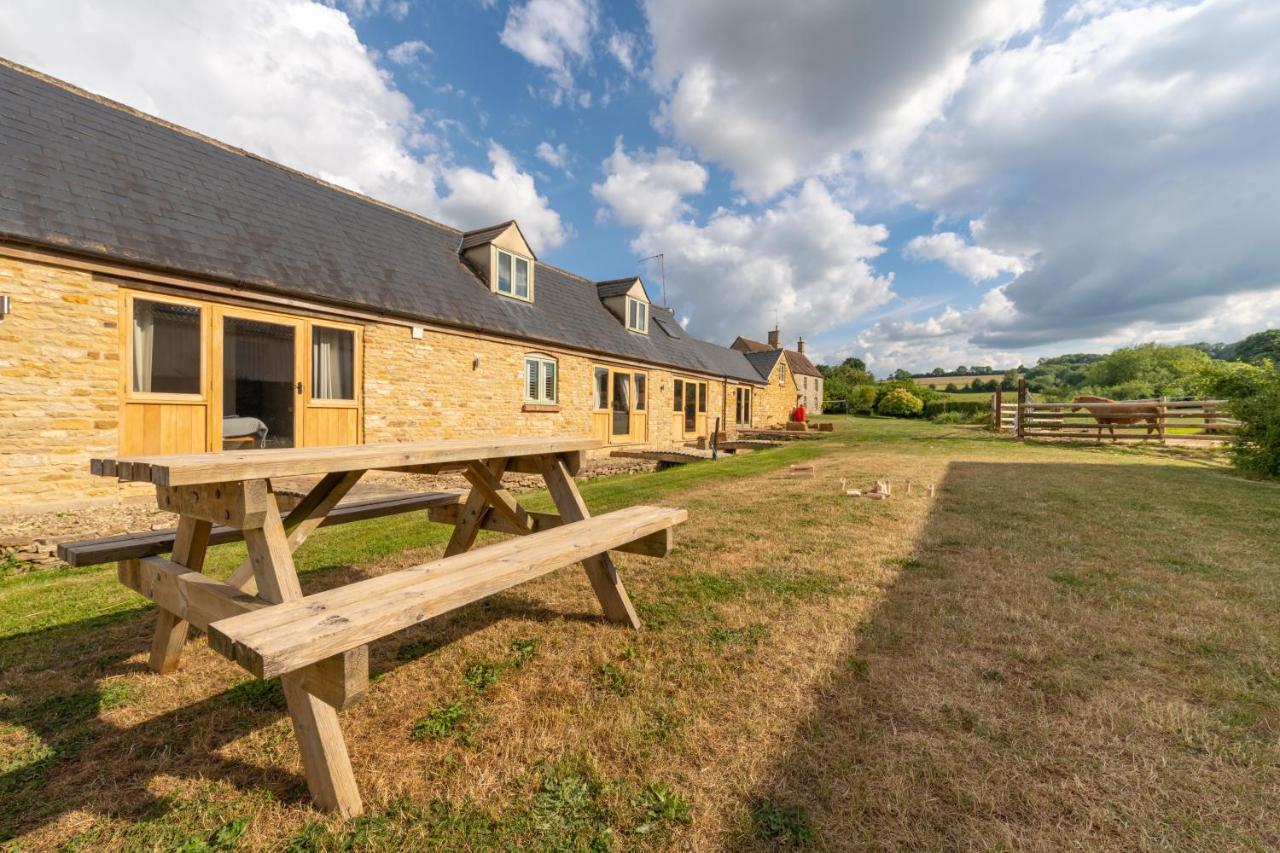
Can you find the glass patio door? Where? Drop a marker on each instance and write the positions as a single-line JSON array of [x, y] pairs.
[[261, 382], [621, 403], [690, 407]]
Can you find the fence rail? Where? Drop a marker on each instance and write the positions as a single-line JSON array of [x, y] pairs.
[[1113, 420]]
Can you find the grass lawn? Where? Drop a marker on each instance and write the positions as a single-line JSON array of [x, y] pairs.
[[1069, 646]]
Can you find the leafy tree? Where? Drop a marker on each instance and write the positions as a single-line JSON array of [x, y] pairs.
[[952, 388], [1147, 370], [900, 403], [1009, 382], [902, 374], [1257, 347], [938, 371], [1253, 395], [855, 363], [862, 399]]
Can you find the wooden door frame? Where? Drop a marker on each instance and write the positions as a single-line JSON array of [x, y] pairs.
[[301, 361], [357, 376]]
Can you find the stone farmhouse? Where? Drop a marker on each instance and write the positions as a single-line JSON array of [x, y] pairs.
[[162, 292]]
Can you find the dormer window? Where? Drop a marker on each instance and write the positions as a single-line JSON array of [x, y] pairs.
[[514, 277], [637, 316]]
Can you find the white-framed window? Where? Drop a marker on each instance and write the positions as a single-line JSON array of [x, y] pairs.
[[515, 275], [541, 379], [782, 373], [637, 316]]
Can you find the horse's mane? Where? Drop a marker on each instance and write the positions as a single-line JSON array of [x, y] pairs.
[[1089, 398]]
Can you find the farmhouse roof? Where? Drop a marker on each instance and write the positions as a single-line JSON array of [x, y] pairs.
[[798, 362], [85, 175]]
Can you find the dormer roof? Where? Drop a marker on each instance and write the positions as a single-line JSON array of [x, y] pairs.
[[621, 287], [492, 233]]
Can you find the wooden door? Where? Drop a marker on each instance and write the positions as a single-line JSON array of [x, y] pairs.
[[259, 361], [332, 385]]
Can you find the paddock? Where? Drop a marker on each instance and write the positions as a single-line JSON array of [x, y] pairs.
[[1127, 421]]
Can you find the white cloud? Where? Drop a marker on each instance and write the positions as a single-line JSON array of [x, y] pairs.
[[1126, 156], [556, 156], [623, 46], [396, 9], [647, 190], [805, 260], [975, 263], [478, 198], [777, 92], [286, 79], [554, 35], [408, 52]]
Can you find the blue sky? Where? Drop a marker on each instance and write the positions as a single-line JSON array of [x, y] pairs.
[[919, 183]]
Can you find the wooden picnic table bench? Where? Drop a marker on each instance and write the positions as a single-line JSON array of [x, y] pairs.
[[318, 644]]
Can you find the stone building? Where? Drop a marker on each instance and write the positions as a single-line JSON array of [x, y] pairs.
[[168, 293]]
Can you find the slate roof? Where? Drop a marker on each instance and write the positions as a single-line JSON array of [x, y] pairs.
[[616, 287], [98, 179], [480, 236], [764, 362]]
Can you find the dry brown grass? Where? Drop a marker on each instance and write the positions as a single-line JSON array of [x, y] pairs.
[[1066, 647]]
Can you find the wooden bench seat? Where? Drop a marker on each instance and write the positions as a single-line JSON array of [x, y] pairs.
[[292, 635], [134, 546]]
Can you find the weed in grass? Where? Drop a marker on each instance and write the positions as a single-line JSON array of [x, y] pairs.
[[445, 721], [782, 824], [1068, 579], [1193, 567], [222, 838], [614, 679], [259, 695], [993, 675], [569, 806], [481, 676], [661, 806], [414, 651], [12, 564], [659, 726], [524, 650], [747, 637], [793, 584], [857, 666]]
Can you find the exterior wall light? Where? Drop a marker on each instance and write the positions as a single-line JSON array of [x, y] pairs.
[[5, 307]]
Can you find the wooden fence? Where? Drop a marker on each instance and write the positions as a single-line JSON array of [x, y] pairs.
[[1121, 420]]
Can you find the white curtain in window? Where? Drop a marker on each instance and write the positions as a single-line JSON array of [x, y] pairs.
[[144, 344], [332, 364]]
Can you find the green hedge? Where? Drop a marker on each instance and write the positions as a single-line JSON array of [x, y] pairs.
[[964, 407]]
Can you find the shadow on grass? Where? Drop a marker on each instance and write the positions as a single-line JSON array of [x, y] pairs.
[[76, 760], [971, 708]]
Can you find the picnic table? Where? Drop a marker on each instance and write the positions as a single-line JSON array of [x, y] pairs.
[[318, 644]]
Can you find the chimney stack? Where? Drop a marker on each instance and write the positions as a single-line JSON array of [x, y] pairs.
[[775, 339], [800, 346]]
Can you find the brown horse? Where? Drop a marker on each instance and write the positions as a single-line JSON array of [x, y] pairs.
[[1111, 416]]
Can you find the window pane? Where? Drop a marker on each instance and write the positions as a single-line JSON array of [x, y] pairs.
[[602, 388], [549, 381], [643, 311], [333, 353], [679, 396], [531, 378], [166, 348], [631, 313], [522, 277], [504, 272], [702, 397], [641, 387]]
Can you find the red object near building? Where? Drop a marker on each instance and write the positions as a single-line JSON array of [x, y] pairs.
[[799, 414]]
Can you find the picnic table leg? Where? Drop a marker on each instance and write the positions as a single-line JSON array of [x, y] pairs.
[[315, 724], [600, 569], [303, 520], [189, 546], [473, 513]]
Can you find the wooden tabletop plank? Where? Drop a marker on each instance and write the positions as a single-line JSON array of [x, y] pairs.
[[230, 466]]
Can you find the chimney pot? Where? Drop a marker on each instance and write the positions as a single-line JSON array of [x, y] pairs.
[[775, 339], [800, 346]]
